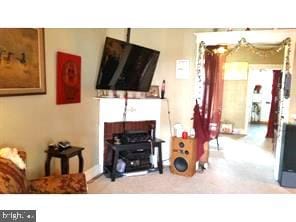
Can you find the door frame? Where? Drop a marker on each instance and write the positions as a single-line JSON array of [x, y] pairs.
[[262, 37]]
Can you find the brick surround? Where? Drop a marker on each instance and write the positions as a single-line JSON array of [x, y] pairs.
[[117, 127]]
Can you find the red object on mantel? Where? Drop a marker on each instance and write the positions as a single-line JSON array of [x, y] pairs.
[[184, 135], [68, 78]]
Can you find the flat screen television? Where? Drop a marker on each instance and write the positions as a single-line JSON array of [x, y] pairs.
[[125, 66]]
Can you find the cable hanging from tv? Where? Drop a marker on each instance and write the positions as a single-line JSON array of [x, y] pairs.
[[126, 93]]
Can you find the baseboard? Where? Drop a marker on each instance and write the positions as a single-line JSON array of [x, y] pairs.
[[259, 123], [92, 172], [236, 131], [239, 131]]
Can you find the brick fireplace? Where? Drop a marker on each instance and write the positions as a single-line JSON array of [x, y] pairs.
[[117, 127]]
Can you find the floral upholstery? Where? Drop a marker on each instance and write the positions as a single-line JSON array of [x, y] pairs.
[[68, 183], [13, 181]]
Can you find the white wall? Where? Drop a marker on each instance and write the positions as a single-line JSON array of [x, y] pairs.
[[30, 122]]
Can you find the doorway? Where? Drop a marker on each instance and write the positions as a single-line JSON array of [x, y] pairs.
[[267, 37], [248, 95], [260, 87], [260, 83]]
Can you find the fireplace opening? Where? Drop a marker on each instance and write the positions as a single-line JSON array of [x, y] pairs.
[[111, 128]]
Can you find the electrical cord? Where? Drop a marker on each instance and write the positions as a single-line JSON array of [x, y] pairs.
[[128, 35], [151, 147], [169, 116], [125, 110], [152, 153]]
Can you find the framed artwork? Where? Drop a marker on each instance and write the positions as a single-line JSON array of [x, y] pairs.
[[153, 92], [22, 61], [68, 78]]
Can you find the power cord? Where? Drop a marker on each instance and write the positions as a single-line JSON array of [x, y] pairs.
[[169, 116], [151, 147], [152, 153], [125, 110]]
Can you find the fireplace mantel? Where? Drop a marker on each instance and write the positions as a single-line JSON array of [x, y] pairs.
[[111, 110]]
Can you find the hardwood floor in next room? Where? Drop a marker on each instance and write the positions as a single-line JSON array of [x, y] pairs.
[[244, 164]]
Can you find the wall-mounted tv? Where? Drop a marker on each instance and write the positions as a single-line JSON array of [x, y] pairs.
[[126, 66]]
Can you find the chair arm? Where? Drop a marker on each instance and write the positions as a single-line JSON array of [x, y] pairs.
[[63, 184]]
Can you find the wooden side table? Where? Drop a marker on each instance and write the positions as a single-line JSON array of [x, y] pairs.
[[64, 155]]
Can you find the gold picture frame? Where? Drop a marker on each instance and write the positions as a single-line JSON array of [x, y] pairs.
[[153, 92], [22, 61]]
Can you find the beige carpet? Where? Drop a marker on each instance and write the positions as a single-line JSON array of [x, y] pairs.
[[244, 164]]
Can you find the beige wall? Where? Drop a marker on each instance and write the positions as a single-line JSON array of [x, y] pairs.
[[30, 122], [234, 109]]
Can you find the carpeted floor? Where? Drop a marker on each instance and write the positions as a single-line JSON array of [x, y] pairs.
[[243, 164]]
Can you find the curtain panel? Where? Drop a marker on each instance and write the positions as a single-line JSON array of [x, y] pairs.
[[207, 116]]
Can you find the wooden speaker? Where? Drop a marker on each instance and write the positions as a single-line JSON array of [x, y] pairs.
[[183, 156]]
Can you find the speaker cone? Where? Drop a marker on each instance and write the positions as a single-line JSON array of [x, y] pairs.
[[180, 164]]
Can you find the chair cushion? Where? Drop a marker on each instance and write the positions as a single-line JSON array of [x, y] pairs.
[[12, 179], [63, 184]]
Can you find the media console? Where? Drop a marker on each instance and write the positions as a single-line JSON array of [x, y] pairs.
[[132, 148]]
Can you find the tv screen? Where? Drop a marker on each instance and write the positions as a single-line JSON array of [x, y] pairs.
[[126, 66]]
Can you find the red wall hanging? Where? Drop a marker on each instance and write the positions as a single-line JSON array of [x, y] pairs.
[[68, 78]]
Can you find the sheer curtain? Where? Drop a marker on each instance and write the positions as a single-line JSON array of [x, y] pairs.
[[207, 115]]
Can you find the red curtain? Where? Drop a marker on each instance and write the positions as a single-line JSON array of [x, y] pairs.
[[273, 114], [207, 117]]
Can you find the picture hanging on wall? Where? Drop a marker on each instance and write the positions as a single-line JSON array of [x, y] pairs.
[[22, 59], [68, 78]]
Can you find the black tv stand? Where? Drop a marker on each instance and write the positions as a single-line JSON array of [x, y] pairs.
[[117, 148]]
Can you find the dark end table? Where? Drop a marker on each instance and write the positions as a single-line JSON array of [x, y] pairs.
[[64, 155]]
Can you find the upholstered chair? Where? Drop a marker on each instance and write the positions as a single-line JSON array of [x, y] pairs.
[[13, 180]]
